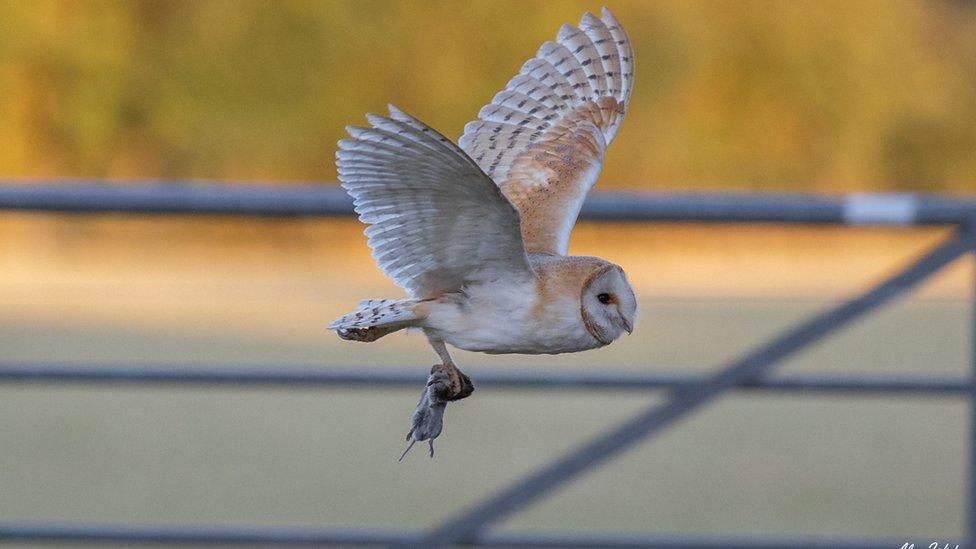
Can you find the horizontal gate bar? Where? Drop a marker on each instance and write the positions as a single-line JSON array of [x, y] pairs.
[[213, 535], [305, 199], [524, 379]]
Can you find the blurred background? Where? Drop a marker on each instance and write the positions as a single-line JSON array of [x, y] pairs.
[[729, 96]]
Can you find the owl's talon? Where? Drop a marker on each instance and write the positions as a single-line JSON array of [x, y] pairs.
[[466, 387]]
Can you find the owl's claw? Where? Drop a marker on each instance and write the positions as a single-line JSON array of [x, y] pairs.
[[442, 387]]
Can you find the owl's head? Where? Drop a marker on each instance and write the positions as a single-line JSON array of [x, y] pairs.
[[607, 304]]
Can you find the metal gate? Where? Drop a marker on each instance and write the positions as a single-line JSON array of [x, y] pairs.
[[687, 393]]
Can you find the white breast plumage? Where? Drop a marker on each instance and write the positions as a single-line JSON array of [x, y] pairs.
[[505, 318]]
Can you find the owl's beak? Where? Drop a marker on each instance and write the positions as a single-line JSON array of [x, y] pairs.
[[628, 326]]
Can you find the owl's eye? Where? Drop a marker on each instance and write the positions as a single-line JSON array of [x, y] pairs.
[[603, 298]]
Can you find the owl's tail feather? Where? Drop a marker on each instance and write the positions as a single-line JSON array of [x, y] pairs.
[[376, 318]]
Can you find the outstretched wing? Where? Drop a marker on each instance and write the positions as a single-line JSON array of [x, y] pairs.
[[542, 139], [436, 221]]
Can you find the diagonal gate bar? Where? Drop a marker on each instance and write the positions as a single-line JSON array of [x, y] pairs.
[[464, 527]]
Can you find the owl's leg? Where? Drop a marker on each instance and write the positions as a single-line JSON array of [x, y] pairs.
[[460, 385], [446, 384]]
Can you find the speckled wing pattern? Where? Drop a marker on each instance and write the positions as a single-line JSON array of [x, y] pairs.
[[542, 139], [436, 221]]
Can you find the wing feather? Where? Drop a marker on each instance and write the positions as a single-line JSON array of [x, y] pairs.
[[526, 93], [606, 49], [436, 221], [543, 138], [567, 66]]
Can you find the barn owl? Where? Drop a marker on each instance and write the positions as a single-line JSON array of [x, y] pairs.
[[477, 233]]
